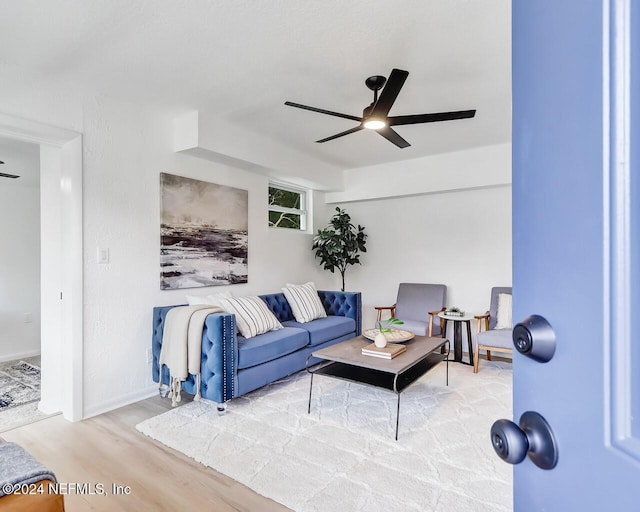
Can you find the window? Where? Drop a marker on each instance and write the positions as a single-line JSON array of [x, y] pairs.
[[287, 207]]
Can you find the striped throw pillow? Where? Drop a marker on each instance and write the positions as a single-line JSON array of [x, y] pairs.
[[252, 315], [304, 301]]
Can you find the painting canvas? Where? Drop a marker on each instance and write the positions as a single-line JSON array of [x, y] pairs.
[[203, 233]]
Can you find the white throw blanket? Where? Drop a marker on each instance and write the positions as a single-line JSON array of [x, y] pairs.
[[181, 347]]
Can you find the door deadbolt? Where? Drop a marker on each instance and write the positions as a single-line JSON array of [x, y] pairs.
[[534, 338], [533, 437]]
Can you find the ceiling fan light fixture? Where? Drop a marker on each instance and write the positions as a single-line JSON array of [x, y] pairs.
[[374, 124]]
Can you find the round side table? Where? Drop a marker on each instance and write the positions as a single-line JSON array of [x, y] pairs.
[[457, 335]]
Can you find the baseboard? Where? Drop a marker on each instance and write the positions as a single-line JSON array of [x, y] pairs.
[[46, 410], [121, 401], [20, 355]]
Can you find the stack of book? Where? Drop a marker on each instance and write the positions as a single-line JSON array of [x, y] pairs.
[[389, 352]]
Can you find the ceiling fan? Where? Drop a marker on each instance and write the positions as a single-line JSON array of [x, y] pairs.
[[375, 116]]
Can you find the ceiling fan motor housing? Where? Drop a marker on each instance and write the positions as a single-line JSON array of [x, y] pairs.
[[375, 82]]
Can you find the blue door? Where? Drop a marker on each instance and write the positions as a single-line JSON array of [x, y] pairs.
[[576, 246]]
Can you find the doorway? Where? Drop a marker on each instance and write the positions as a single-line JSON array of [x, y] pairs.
[[61, 261], [19, 283]]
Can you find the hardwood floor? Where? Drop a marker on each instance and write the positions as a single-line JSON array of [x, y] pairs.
[[109, 450]]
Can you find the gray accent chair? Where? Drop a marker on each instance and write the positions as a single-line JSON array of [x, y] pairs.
[[417, 305], [492, 339]]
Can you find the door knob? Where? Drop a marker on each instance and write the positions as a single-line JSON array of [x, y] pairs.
[[534, 338], [532, 437]]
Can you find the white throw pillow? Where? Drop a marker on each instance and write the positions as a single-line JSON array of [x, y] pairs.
[[503, 315], [196, 300], [304, 301], [212, 300], [217, 299], [252, 315]]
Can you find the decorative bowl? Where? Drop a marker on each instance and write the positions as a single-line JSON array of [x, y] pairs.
[[395, 336]]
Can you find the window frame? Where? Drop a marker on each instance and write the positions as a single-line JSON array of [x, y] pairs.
[[303, 212]]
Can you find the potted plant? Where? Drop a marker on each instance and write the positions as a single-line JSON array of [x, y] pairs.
[[339, 244]]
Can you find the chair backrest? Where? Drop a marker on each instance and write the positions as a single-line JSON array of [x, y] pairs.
[[494, 303], [415, 300]]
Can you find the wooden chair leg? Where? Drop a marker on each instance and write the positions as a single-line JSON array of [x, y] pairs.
[[430, 331], [488, 355], [476, 358]]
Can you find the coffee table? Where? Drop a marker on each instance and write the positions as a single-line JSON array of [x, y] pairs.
[[345, 361]]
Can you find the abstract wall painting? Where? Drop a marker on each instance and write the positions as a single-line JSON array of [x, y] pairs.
[[203, 233]]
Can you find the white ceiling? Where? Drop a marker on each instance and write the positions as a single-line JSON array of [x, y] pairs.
[[21, 158], [238, 61]]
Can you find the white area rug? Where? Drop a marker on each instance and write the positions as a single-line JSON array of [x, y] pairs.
[[343, 456]]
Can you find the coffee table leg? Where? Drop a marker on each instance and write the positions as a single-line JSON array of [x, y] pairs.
[[469, 342], [398, 416], [310, 388]]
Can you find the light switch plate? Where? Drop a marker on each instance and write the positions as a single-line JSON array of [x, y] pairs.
[[103, 255]]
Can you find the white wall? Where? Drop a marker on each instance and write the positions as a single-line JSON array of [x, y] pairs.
[[19, 271], [461, 239], [125, 149], [470, 169], [444, 218]]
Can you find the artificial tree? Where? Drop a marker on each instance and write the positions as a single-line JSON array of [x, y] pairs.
[[339, 244]]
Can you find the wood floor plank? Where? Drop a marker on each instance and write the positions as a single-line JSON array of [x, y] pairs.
[[107, 449]]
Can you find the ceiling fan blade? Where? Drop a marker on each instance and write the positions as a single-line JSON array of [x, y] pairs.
[[392, 136], [389, 93], [341, 134], [322, 111], [431, 118]]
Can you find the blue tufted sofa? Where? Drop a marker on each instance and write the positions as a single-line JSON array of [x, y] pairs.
[[232, 365]]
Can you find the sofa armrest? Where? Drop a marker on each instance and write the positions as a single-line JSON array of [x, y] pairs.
[[159, 316], [347, 304], [218, 362]]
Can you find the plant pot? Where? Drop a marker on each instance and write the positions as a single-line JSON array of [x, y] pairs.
[[380, 340]]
